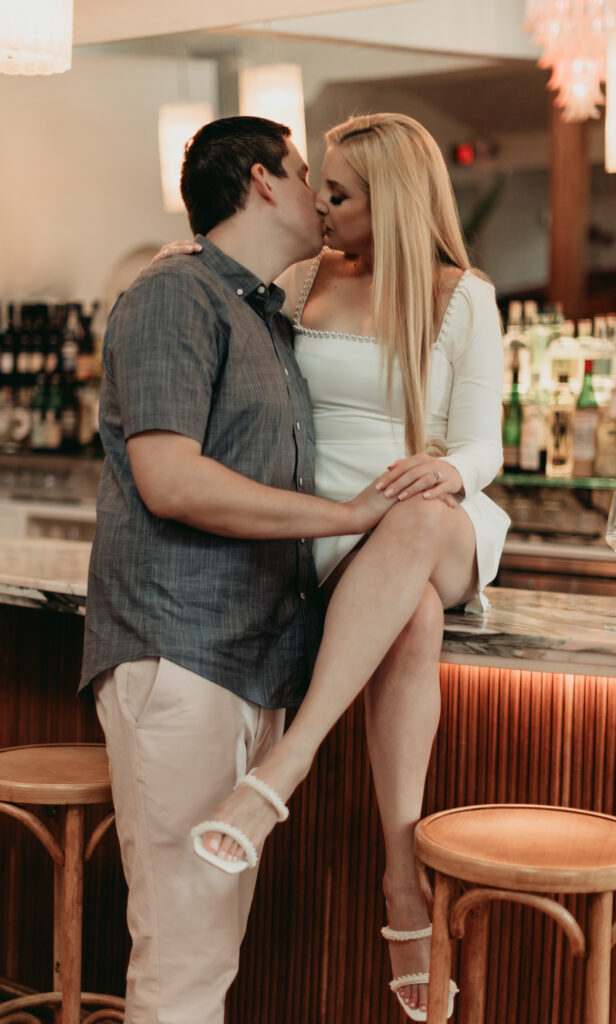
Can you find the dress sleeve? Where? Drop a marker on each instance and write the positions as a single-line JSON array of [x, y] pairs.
[[474, 440]]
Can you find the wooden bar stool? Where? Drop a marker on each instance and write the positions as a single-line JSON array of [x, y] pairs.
[[517, 852], [65, 776]]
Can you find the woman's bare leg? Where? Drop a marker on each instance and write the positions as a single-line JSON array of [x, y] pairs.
[[417, 542], [402, 712]]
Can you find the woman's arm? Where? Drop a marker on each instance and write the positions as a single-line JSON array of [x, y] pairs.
[[475, 349]]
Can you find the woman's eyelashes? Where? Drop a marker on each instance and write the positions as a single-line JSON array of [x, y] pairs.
[[336, 200]]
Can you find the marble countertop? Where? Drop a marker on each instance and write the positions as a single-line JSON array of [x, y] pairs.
[[535, 630], [37, 572]]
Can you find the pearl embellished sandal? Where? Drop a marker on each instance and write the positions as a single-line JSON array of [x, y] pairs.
[[232, 867], [414, 979]]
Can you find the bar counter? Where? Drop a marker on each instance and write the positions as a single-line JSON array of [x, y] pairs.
[[528, 716]]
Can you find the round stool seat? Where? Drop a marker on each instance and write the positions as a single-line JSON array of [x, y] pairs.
[[522, 846], [55, 773]]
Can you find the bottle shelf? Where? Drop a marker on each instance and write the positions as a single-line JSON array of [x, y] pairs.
[[589, 483]]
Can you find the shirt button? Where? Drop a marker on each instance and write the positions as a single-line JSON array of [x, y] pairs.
[[302, 540], [240, 291], [297, 425], [260, 289], [286, 371], [302, 595], [301, 481]]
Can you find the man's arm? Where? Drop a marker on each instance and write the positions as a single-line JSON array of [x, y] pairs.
[[175, 481]]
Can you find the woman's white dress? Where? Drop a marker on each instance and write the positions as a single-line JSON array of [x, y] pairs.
[[358, 434]]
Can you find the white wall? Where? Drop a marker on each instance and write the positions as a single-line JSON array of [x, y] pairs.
[[79, 171]]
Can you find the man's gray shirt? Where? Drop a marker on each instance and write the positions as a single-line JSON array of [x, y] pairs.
[[198, 346]]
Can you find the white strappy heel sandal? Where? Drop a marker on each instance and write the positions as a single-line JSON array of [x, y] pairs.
[[232, 867], [414, 979]]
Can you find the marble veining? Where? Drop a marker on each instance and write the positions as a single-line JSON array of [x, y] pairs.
[[536, 630]]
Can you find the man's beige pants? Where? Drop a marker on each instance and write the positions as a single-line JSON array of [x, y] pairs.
[[177, 743]]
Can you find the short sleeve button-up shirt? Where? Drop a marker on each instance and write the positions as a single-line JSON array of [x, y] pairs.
[[198, 346]]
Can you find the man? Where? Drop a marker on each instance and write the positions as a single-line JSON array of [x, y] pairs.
[[202, 620]]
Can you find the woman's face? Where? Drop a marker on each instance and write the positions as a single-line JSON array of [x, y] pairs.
[[343, 205]]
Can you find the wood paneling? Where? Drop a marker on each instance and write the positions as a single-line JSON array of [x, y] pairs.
[[569, 210], [313, 953]]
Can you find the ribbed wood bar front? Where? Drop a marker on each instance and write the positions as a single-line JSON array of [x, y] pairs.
[[313, 953]]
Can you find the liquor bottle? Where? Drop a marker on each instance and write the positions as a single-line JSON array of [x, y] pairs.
[[53, 348], [515, 347], [98, 325], [85, 355], [559, 461], [564, 353], [539, 332], [53, 416], [605, 461], [6, 410], [69, 418], [533, 432], [512, 422], [7, 350], [21, 418], [37, 340], [37, 411], [604, 360], [585, 420], [88, 394], [23, 359], [72, 336]]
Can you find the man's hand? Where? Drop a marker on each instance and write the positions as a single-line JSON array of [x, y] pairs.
[[368, 508]]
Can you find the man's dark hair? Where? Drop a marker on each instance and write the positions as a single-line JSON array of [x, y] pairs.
[[216, 170]]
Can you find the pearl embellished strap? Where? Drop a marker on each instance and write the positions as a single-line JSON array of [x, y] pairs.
[[299, 309], [227, 830], [308, 283], [266, 792], [417, 979], [394, 936], [451, 305]]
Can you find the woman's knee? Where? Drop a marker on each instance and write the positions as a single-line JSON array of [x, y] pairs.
[[419, 518]]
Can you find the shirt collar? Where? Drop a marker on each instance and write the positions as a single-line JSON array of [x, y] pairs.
[[266, 300]]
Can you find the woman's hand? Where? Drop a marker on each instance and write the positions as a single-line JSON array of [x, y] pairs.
[[176, 249], [422, 474]]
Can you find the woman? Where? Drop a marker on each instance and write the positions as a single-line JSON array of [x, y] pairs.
[[401, 345]]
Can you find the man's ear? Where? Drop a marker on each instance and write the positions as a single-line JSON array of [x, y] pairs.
[[260, 178]]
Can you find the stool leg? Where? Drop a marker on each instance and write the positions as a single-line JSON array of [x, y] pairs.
[[597, 989], [73, 909], [440, 956], [473, 971], [58, 917]]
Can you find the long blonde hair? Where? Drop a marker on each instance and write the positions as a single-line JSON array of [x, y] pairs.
[[415, 227]]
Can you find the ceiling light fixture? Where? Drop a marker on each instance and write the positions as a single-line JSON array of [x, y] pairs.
[[177, 123], [36, 36], [275, 91], [574, 37]]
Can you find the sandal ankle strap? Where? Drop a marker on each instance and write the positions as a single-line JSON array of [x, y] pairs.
[[395, 936], [266, 792]]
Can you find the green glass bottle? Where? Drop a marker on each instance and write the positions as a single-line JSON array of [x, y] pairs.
[[585, 423], [512, 424]]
